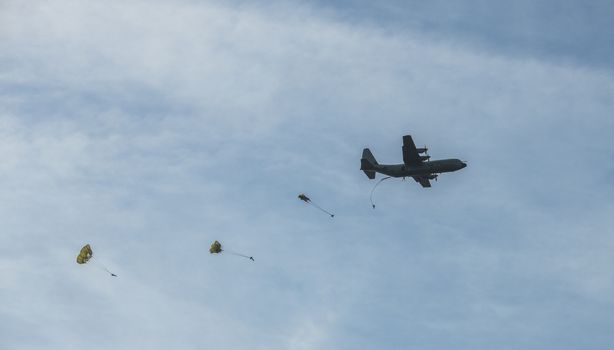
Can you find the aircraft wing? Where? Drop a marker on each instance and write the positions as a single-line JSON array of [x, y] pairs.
[[422, 181], [410, 153]]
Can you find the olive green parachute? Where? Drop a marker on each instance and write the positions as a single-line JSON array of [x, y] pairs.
[[216, 247], [85, 254], [308, 200]]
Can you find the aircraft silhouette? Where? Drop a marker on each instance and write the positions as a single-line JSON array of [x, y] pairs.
[[420, 167]]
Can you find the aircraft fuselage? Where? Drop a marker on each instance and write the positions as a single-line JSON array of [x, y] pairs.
[[426, 168]]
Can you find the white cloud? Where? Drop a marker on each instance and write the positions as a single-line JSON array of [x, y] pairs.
[[149, 129]]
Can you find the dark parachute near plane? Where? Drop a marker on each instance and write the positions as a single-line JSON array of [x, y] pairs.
[[308, 200], [216, 248], [85, 254]]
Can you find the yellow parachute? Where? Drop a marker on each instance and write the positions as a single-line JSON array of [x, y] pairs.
[[216, 247], [85, 254]]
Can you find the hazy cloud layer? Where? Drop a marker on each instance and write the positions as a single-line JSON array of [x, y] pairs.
[[149, 129]]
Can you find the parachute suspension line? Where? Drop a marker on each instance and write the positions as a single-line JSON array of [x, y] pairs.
[[238, 254], [109, 272], [101, 266], [307, 200], [317, 206], [373, 189]]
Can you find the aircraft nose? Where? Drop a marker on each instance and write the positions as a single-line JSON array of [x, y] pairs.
[[463, 165]]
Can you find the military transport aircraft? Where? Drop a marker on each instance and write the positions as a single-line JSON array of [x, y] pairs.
[[420, 167]]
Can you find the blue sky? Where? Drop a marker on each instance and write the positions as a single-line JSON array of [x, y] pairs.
[[150, 129]]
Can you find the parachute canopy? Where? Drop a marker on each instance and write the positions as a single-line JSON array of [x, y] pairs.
[[216, 248], [85, 254]]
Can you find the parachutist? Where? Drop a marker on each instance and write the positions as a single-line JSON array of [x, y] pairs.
[[374, 187]]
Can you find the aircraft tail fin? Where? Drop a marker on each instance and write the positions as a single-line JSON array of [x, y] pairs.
[[368, 163]]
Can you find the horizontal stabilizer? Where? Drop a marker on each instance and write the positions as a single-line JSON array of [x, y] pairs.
[[370, 174]]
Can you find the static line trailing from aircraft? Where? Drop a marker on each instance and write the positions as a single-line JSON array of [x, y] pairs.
[[420, 167]]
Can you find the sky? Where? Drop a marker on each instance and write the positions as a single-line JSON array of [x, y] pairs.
[[149, 129]]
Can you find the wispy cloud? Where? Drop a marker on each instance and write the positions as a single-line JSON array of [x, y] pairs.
[[149, 129]]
